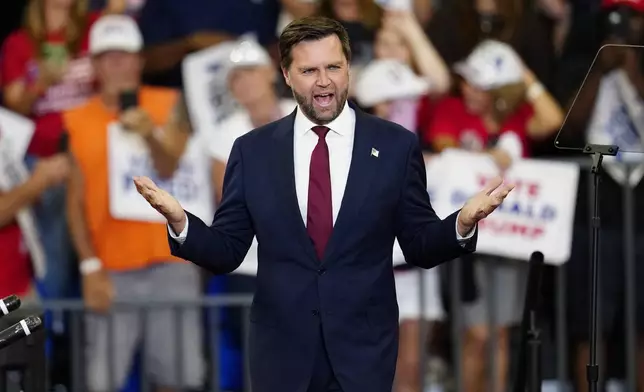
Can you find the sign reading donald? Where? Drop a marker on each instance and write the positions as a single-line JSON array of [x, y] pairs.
[[538, 215]]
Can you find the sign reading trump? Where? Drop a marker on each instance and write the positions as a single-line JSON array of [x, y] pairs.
[[538, 215]]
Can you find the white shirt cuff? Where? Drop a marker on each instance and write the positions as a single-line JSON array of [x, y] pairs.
[[459, 237], [181, 238]]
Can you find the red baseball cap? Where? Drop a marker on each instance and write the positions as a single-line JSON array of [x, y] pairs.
[[637, 5]]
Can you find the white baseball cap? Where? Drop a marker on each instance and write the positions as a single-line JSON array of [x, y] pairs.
[[396, 5], [115, 32], [491, 64], [387, 80], [248, 53]]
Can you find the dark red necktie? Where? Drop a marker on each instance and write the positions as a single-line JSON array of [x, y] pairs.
[[319, 220]]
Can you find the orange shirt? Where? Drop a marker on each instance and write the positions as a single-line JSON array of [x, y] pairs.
[[120, 244]]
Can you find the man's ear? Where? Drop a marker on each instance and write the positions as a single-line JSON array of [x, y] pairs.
[[286, 76]]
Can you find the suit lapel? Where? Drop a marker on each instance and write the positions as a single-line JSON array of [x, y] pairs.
[[284, 175], [361, 172]]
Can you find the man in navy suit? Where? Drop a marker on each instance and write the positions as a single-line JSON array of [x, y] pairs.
[[326, 190]]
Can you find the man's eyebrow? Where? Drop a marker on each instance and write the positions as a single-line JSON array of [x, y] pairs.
[[334, 64]]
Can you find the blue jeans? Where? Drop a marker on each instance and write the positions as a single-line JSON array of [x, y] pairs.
[[61, 279]]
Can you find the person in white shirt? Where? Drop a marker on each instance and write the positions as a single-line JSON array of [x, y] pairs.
[[252, 83]]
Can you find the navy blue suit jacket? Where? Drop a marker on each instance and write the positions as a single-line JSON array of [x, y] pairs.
[[351, 292]]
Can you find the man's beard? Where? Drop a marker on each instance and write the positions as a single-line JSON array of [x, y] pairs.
[[308, 109]]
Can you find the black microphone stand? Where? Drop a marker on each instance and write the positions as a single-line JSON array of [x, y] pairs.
[[534, 355], [597, 152], [528, 371]]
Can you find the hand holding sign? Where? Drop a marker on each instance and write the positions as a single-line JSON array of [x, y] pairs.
[[163, 202], [139, 121], [482, 204]]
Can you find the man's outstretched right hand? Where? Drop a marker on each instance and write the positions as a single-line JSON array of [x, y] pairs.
[[163, 202]]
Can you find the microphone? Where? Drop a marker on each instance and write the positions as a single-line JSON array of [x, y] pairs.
[[9, 304], [533, 293], [19, 330]]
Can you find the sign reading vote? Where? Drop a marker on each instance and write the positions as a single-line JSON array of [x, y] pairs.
[[538, 215], [130, 157]]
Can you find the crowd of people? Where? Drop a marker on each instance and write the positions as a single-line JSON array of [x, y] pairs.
[[102, 82]]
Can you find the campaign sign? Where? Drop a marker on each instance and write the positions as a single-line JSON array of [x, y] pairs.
[[130, 157], [538, 215], [16, 132], [205, 86]]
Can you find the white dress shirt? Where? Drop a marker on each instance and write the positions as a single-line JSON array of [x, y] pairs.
[[340, 142]]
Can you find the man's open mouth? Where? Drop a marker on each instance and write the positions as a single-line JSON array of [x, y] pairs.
[[323, 100]]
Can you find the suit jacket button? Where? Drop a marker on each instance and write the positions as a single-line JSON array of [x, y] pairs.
[[321, 271], [315, 312]]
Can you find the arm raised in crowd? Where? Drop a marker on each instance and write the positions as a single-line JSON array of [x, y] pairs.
[[167, 144], [426, 58], [548, 115], [19, 95], [48, 172], [423, 10]]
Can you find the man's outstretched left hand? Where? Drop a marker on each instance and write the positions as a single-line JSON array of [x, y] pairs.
[[482, 204]]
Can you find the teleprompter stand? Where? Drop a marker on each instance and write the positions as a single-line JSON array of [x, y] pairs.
[[597, 153]]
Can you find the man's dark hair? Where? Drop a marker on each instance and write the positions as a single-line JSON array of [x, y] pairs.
[[313, 28]]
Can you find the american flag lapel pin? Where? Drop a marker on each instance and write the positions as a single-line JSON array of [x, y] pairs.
[[374, 152]]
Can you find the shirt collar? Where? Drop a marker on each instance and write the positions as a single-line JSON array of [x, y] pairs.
[[342, 125]]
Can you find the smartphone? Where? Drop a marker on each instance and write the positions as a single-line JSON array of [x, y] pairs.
[[128, 100], [55, 54], [63, 143]]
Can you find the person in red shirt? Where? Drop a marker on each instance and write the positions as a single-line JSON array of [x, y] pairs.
[[43, 71], [44, 68], [15, 268], [501, 107]]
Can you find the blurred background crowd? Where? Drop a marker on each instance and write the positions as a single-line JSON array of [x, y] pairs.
[[492, 76]]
